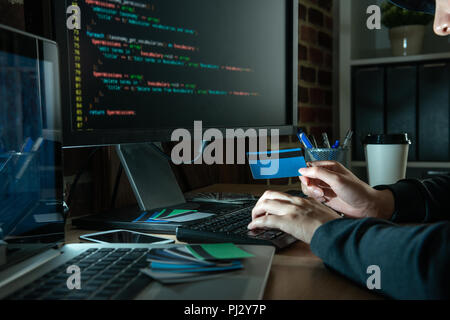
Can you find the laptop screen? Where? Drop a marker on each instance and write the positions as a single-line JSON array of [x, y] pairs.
[[31, 210]]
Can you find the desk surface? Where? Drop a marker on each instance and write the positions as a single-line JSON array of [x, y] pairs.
[[296, 273]]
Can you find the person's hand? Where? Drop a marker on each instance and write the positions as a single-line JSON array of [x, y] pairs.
[[331, 183], [293, 215]]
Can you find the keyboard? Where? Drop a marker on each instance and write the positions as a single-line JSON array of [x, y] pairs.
[[221, 197], [221, 208], [231, 227], [106, 274]]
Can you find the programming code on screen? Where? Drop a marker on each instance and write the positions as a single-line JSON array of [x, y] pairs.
[[166, 63]]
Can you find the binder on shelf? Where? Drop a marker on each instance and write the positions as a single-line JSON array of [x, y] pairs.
[[401, 103], [434, 112], [368, 111]]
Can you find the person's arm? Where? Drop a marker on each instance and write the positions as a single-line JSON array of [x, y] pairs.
[[406, 201], [413, 260], [421, 201]]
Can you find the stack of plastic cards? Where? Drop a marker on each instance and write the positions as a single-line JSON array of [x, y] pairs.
[[171, 216], [194, 262]]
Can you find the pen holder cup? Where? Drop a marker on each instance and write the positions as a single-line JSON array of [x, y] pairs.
[[319, 154]]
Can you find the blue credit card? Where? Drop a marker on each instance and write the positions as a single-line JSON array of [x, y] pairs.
[[276, 164]]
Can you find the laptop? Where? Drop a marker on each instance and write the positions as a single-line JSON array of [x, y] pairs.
[[34, 261]]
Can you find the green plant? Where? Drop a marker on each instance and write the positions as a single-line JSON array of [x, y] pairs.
[[393, 16]]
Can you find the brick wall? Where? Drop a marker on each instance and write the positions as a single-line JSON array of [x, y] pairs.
[[315, 66]]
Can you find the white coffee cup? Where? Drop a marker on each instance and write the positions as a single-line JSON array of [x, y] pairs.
[[386, 157]]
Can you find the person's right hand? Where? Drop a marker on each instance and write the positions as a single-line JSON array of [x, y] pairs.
[[334, 185]]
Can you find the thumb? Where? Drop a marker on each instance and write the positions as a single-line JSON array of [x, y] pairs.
[[304, 180], [332, 178]]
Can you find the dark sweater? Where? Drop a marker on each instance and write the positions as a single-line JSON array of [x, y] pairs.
[[414, 260]]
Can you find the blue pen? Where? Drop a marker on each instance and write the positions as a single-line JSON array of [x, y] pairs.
[[304, 139], [299, 132], [336, 144]]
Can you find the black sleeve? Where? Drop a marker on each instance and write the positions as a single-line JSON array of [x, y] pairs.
[[414, 260], [421, 201]]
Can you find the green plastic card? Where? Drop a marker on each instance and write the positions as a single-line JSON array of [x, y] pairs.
[[220, 251]]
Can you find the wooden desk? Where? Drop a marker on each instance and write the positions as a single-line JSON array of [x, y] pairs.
[[296, 273]]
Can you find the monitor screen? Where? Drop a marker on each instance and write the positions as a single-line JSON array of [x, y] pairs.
[[137, 70], [30, 140]]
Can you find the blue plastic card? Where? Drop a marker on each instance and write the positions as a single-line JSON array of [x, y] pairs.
[[276, 164]]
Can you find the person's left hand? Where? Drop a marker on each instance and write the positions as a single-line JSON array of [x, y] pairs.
[[294, 215]]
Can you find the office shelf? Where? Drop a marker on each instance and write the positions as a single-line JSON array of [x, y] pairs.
[[360, 47], [407, 59]]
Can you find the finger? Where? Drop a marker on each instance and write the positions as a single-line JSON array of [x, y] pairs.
[[329, 193], [304, 180], [323, 163], [308, 182], [318, 183], [306, 190], [322, 200], [267, 222], [311, 190], [332, 165], [269, 206], [275, 207], [315, 192], [275, 195], [319, 188], [332, 178]]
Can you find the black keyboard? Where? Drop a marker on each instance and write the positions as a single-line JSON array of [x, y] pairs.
[[231, 227], [106, 273], [221, 197], [221, 208]]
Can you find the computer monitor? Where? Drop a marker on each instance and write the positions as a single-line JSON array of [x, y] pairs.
[[137, 70], [31, 183]]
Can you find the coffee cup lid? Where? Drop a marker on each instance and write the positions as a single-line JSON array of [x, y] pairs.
[[387, 139]]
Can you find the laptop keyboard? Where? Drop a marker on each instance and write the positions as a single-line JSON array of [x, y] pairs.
[[106, 273]]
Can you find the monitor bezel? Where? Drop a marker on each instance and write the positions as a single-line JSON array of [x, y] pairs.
[[73, 138]]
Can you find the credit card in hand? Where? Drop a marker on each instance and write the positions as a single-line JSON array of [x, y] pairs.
[[276, 164]]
